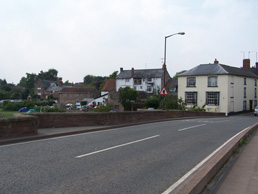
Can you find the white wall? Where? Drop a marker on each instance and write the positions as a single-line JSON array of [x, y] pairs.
[[122, 83], [231, 90]]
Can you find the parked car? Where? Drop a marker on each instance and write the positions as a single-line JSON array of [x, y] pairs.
[[256, 111]]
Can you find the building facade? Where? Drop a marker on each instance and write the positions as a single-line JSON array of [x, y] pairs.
[[46, 88], [219, 87], [147, 80], [76, 94]]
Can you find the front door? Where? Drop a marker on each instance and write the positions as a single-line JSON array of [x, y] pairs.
[[250, 105]]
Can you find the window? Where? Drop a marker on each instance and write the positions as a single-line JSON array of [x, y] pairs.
[[39, 91], [191, 81], [255, 82], [127, 80], [255, 93], [212, 81], [244, 92], [149, 89], [137, 81], [148, 79], [255, 103], [244, 105], [212, 98], [244, 81], [191, 97]]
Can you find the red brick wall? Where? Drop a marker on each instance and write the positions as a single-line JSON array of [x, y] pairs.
[[49, 120], [28, 125], [20, 126]]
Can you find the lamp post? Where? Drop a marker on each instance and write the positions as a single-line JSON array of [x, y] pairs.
[[179, 33]]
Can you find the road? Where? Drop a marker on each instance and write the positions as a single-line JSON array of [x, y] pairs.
[[146, 158]]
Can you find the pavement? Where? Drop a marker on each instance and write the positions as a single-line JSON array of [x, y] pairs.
[[242, 176], [238, 176]]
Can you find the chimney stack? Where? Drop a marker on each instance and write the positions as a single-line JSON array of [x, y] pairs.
[[216, 61], [59, 80], [132, 73], [121, 69], [256, 65], [246, 64]]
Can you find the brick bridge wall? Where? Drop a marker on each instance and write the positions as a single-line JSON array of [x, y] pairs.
[[49, 120], [27, 124], [19, 126]]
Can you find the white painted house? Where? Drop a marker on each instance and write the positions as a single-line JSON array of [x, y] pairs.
[[147, 80], [220, 87]]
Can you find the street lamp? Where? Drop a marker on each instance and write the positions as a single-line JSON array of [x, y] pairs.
[[179, 33]]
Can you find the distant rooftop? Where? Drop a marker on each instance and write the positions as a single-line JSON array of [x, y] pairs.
[[140, 73]]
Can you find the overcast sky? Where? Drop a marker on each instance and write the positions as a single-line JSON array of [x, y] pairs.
[[97, 37]]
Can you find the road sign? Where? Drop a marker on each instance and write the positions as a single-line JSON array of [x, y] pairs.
[[163, 91]]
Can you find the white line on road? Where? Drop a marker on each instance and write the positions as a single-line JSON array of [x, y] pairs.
[[191, 127], [188, 174], [114, 147], [221, 121]]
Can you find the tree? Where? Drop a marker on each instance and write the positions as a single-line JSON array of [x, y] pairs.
[[175, 77], [22, 82], [113, 75], [67, 83], [90, 79], [29, 86], [127, 97], [3, 82], [51, 74]]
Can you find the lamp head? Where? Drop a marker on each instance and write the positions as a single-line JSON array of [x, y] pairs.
[[181, 33]]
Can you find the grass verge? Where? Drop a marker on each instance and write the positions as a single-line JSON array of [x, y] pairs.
[[7, 114]]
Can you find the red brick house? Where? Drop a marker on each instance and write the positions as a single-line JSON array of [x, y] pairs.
[[76, 94], [46, 88]]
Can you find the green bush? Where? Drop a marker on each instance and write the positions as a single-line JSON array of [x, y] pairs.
[[15, 106], [197, 108], [172, 102], [48, 109], [152, 102]]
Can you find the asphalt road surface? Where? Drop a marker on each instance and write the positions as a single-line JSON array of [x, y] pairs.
[[141, 159]]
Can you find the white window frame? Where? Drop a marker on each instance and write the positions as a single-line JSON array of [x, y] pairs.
[[191, 98], [191, 82], [213, 81], [212, 98]]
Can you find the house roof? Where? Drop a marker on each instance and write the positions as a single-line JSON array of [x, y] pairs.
[[47, 83], [78, 89], [110, 85], [140, 73], [217, 69], [53, 87]]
